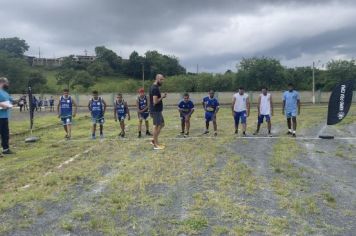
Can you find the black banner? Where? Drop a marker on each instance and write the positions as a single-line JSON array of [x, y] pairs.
[[30, 103], [340, 102]]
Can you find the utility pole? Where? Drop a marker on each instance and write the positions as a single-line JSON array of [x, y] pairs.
[[313, 99], [143, 76]]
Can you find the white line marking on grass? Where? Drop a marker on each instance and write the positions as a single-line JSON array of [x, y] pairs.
[[211, 137]]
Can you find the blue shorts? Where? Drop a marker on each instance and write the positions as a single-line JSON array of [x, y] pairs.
[[209, 116], [98, 120], [66, 120], [143, 116], [290, 114], [242, 115], [261, 117], [121, 117]]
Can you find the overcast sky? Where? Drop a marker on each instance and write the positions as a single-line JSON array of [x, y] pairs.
[[215, 34]]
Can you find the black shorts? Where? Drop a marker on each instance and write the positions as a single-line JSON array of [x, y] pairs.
[[157, 118]]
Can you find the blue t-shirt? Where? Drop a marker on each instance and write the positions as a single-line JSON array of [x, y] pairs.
[[291, 99], [4, 97], [97, 108], [66, 106], [186, 107], [211, 104]]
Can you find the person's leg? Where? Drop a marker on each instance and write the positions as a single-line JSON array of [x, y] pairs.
[[182, 122], [93, 130], [69, 128], [259, 122], [4, 130], [187, 126], [207, 121], [147, 127], [139, 126], [122, 126], [289, 124], [294, 118], [215, 124], [156, 132], [269, 123], [236, 120], [101, 129]]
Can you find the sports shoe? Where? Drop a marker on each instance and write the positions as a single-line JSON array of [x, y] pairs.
[[244, 134], [187, 134], [294, 135], [215, 134], [270, 135], [139, 135], [93, 137], [158, 147], [101, 136], [236, 131], [206, 132], [8, 152], [255, 133], [148, 133], [289, 133]]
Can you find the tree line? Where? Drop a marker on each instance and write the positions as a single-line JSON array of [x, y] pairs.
[[252, 73]]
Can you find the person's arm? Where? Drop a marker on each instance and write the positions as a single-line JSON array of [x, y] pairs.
[[89, 107], [191, 111], [203, 103], [115, 113], [283, 103], [248, 106], [75, 108], [156, 100], [233, 105], [104, 103], [258, 105], [128, 111], [298, 103], [271, 102], [138, 106], [58, 108], [179, 108], [217, 107]]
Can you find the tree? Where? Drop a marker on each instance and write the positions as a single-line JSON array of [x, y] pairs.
[[15, 69], [257, 72], [37, 80], [14, 46], [84, 79], [66, 77], [106, 55], [339, 70]]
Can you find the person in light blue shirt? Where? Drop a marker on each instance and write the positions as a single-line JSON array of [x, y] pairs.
[[291, 108], [5, 106]]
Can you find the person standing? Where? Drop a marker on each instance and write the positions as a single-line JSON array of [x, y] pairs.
[[65, 112], [211, 107], [21, 103], [51, 104], [291, 108], [120, 112], [156, 109], [186, 109], [265, 110], [97, 108], [142, 112], [5, 106], [240, 110]]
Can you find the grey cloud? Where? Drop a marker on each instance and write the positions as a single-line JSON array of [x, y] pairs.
[[60, 27]]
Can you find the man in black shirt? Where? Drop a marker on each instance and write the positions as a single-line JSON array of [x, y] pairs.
[[156, 108]]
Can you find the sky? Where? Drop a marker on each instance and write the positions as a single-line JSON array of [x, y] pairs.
[[214, 34]]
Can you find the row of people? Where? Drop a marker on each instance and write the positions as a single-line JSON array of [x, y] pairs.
[[240, 111]]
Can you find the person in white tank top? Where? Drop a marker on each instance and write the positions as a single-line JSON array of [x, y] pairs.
[[265, 110], [240, 109]]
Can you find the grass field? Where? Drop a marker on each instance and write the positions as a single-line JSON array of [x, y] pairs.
[[201, 185]]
